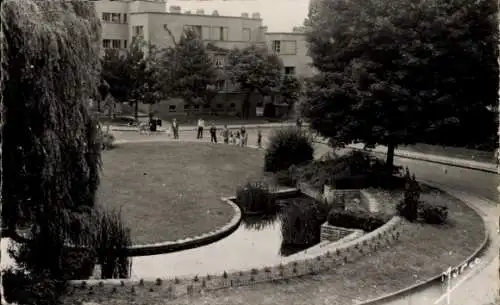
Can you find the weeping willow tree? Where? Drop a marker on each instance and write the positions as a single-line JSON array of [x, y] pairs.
[[50, 156]]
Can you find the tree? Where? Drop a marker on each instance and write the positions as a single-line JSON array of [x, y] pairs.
[[389, 70], [193, 73], [132, 75], [50, 153], [290, 91], [253, 69]]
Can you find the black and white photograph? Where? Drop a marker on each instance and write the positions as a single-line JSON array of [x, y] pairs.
[[249, 152]]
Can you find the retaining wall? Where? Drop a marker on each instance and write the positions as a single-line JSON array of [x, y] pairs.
[[337, 253], [333, 233]]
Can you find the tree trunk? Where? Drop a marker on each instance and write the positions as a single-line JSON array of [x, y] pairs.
[[245, 108], [391, 147], [136, 111]]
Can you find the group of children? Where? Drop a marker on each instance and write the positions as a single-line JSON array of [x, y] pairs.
[[239, 137]]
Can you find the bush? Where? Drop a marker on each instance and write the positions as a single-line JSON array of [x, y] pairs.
[[285, 177], [111, 243], [256, 197], [433, 214], [356, 219], [408, 207], [301, 223], [287, 147]]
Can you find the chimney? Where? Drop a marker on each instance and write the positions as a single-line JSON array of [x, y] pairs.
[[244, 15], [215, 13], [256, 16], [175, 9], [200, 12]]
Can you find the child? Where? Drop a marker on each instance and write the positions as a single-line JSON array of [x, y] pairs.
[[213, 134], [259, 137], [238, 139], [231, 137]]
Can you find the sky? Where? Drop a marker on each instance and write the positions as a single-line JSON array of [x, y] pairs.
[[277, 15]]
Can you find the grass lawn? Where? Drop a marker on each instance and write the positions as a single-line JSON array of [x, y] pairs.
[[169, 191], [452, 152], [423, 251]]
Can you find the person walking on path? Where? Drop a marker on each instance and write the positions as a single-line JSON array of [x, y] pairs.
[[225, 134], [259, 137], [243, 136], [213, 134], [175, 128], [201, 125]]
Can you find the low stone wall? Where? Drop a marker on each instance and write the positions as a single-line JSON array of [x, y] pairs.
[[333, 233], [352, 198], [335, 254]]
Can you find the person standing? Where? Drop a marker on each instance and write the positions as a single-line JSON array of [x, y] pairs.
[[299, 122], [201, 125], [225, 134], [243, 135], [259, 137], [175, 128], [213, 134], [237, 139]]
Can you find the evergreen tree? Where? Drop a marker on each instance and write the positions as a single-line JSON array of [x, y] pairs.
[[402, 72]]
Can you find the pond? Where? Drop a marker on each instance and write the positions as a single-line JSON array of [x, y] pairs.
[[258, 242]]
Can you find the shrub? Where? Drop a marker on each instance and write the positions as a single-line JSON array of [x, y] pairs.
[[301, 224], [288, 147], [356, 219], [256, 197], [433, 214], [354, 170], [112, 242], [285, 178], [408, 207]]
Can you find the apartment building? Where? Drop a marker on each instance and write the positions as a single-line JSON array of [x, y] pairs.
[[292, 48], [157, 23]]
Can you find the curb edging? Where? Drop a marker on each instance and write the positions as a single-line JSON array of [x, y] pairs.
[[190, 242]]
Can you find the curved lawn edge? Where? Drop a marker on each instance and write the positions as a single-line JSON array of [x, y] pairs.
[[190, 242], [428, 282]]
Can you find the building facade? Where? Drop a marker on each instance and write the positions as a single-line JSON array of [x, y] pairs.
[[157, 23]]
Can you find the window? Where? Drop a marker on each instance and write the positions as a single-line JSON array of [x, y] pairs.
[[219, 106], [124, 18], [205, 32], [187, 106], [276, 46], [198, 30], [196, 106], [232, 105], [116, 43], [223, 33], [115, 17], [106, 17], [290, 70], [289, 47], [220, 84], [219, 60], [246, 34], [125, 44], [172, 108], [138, 30], [205, 106], [106, 43]]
